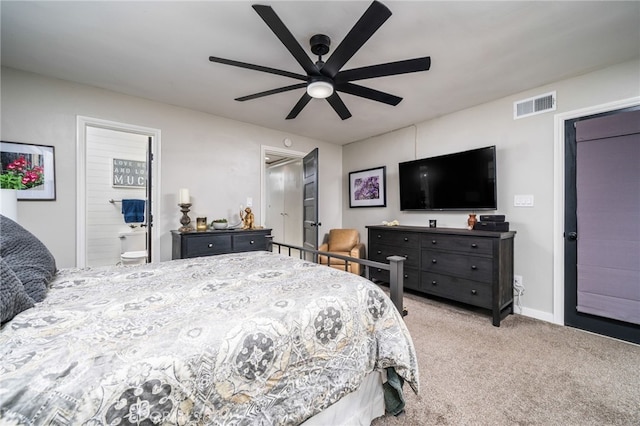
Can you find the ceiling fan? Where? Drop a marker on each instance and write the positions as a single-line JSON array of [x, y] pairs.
[[325, 79]]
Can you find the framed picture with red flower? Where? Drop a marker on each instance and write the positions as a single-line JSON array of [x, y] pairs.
[[28, 168], [367, 188]]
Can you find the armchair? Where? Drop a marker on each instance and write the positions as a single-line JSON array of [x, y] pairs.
[[345, 242]]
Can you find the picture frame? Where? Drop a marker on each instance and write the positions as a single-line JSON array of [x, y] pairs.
[[35, 164], [128, 173], [368, 188]]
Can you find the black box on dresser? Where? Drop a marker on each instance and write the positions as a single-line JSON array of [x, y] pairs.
[[492, 218], [469, 266], [491, 226]]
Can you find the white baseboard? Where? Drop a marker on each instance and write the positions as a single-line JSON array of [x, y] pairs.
[[534, 313]]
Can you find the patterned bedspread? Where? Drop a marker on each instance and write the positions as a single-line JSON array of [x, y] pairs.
[[249, 338]]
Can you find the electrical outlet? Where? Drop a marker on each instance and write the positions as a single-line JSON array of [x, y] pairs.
[[517, 281]]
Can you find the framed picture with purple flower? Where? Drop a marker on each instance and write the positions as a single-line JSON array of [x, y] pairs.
[[367, 188], [28, 168]]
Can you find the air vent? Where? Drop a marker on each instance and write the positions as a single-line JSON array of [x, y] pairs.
[[535, 105]]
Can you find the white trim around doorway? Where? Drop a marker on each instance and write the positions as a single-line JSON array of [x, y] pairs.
[[82, 123], [558, 195]]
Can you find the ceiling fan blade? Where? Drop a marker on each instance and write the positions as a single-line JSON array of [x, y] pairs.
[[339, 107], [366, 26], [271, 92], [365, 92], [258, 68], [304, 100], [282, 32], [382, 70]]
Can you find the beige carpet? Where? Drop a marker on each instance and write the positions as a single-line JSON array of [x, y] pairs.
[[525, 372]]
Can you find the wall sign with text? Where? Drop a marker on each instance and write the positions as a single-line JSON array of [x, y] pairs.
[[129, 173]]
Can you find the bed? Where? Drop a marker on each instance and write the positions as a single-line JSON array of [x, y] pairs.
[[246, 338]]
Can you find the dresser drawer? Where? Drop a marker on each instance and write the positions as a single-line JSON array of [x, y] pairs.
[[476, 268], [411, 278], [466, 291], [469, 245], [393, 238], [380, 252], [207, 245], [249, 242]]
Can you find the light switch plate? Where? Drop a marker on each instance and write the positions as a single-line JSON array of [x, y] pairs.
[[249, 202], [523, 200]]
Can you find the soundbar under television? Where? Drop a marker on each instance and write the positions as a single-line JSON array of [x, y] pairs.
[[458, 181]]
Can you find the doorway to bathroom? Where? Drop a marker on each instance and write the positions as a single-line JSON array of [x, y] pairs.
[[117, 164]]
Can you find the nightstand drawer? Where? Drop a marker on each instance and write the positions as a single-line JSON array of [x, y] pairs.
[[249, 242], [469, 245], [466, 291], [211, 243], [207, 245], [472, 267]]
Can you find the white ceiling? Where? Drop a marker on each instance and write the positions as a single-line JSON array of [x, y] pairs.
[[480, 51]]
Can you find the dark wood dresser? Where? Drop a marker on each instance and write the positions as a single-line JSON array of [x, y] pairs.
[[209, 243], [472, 267]]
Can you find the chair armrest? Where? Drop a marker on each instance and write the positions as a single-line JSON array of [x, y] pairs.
[[323, 260], [358, 251]]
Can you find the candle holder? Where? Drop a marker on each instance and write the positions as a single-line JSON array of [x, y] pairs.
[[201, 224], [185, 220]]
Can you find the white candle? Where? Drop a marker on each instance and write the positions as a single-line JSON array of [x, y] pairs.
[[184, 196]]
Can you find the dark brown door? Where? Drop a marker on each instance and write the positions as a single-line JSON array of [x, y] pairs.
[[149, 216], [602, 224], [310, 200]]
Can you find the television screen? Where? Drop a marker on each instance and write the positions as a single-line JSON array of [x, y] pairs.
[[459, 181]]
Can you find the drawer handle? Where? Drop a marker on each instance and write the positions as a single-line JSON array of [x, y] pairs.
[[474, 267], [379, 236], [406, 276], [474, 245], [434, 242], [434, 261], [251, 242], [406, 239], [379, 251], [210, 245], [379, 270], [474, 292], [434, 282], [406, 256]]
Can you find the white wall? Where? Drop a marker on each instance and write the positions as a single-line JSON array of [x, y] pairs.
[[525, 165], [216, 158]]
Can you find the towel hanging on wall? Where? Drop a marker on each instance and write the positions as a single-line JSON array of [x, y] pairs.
[[133, 210]]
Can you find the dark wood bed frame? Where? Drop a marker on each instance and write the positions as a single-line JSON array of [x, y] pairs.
[[395, 267]]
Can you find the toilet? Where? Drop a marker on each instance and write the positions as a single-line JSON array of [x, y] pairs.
[[133, 248]]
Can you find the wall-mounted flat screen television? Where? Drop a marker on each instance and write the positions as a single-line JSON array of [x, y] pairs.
[[458, 181]]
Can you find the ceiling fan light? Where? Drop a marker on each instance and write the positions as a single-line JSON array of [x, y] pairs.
[[320, 89]]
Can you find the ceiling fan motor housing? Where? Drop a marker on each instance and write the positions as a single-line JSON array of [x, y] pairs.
[[320, 44]]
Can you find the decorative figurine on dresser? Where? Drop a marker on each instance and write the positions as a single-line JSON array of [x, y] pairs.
[[248, 221]]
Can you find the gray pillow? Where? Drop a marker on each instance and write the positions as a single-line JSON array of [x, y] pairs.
[[27, 257], [13, 298]]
